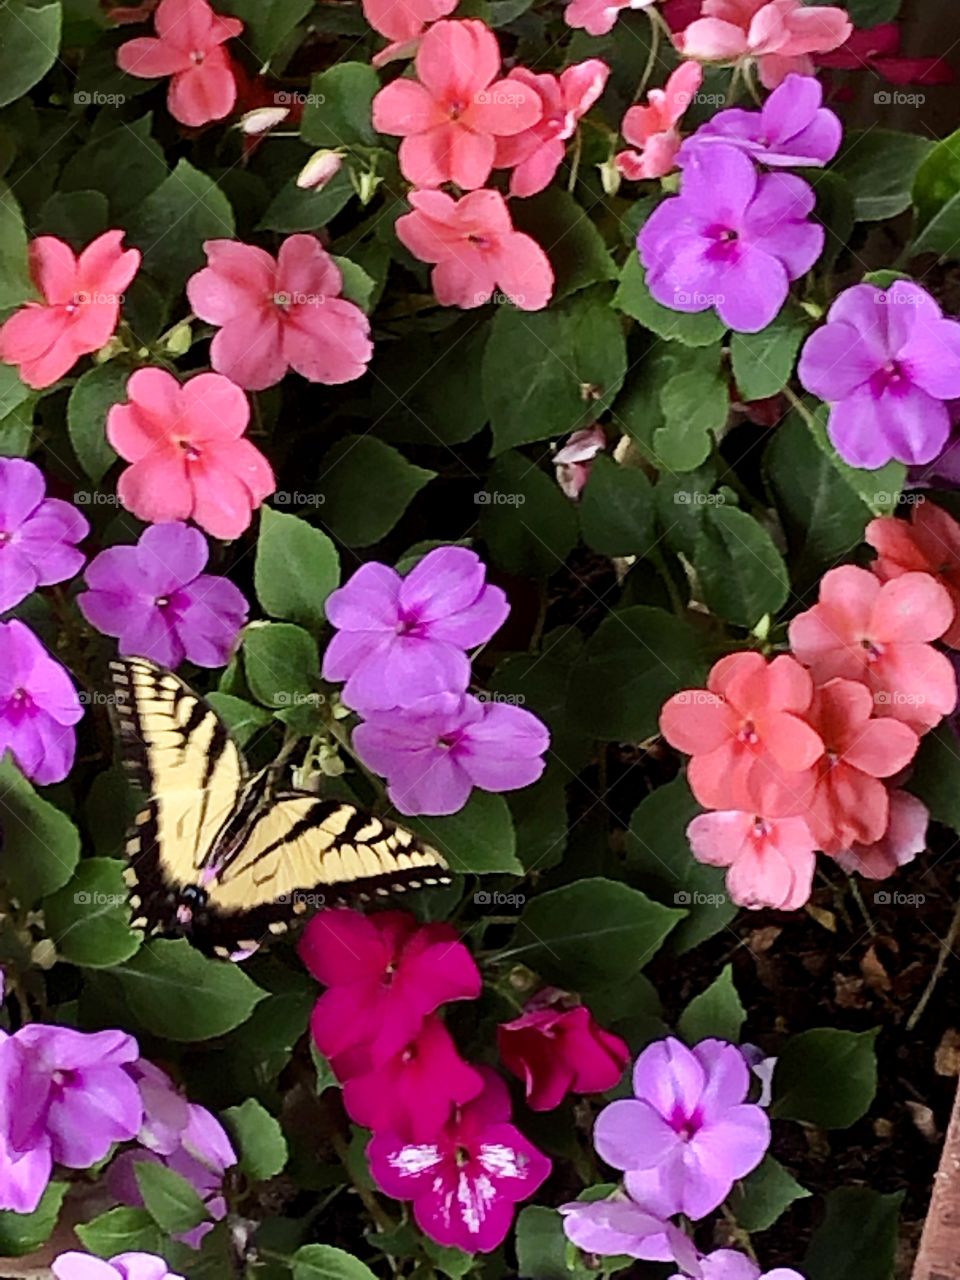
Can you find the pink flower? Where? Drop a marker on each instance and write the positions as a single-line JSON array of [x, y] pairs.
[[476, 250], [771, 861], [535, 155], [653, 128], [556, 1050], [597, 17], [451, 116], [189, 48], [928, 543], [402, 20], [279, 313], [414, 1093], [123, 1266], [878, 633], [781, 34], [904, 838], [190, 460], [384, 975], [80, 307], [465, 1182], [573, 460], [750, 746]]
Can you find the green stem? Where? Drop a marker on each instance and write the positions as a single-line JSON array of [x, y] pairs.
[[655, 31]]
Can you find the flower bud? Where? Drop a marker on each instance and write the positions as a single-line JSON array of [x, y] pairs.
[[319, 169], [261, 119], [609, 176]]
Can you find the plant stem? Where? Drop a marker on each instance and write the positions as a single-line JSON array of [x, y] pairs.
[[946, 949]]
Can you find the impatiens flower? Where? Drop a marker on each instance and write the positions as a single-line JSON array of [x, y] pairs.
[[879, 633], [123, 1266], [904, 838], [436, 751], [190, 458], [733, 239], [792, 127], [319, 169], [80, 306], [556, 1049], [771, 860], [535, 155], [928, 543], [573, 460], [189, 48], [689, 1133], [451, 116], [465, 1182], [38, 706], [745, 731], [653, 128], [615, 1226], [886, 361], [38, 535], [728, 1264], [402, 20], [781, 34], [156, 599], [166, 1111], [476, 250], [384, 974], [279, 313], [399, 639], [597, 17]]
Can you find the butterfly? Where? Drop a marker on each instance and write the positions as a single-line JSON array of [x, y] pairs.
[[224, 856]]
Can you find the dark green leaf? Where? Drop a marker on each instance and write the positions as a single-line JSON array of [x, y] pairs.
[[242, 718], [172, 223], [338, 112], [120, 1230], [880, 166], [90, 400], [938, 179], [22, 1233], [295, 209], [89, 918], [715, 1012], [324, 1262], [935, 776], [867, 1252], [126, 165], [367, 486], [741, 572], [765, 1195], [15, 283], [267, 23], [543, 1250], [763, 362], [480, 838], [568, 236], [826, 1077], [296, 568], [700, 329], [259, 1138], [525, 520], [29, 43], [281, 664], [170, 1199], [75, 216], [41, 845], [616, 510]]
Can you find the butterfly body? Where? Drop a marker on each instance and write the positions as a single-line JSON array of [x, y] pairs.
[[225, 857]]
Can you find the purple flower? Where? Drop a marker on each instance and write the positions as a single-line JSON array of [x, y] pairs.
[[886, 360], [433, 753], [65, 1098], [124, 1266], [37, 534], [728, 1264], [792, 128], [732, 239], [156, 599], [618, 1225], [38, 706], [400, 639], [688, 1134]]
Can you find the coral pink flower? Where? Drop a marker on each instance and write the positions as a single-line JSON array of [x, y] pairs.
[[556, 1049], [279, 312], [875, 632], [597, 17], [535, 155], [415, 1092], [190, 459], [475, 249], [771, 861], [573, 461], [384, 974], [80, 307], [189, 48], [929, 543], [653, 128], [465, 1182], [904, 838], [402, 20], [750, 747], [781, 34], [451, 116]]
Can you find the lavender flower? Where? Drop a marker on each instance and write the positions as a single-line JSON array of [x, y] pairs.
[[38, 706], [618, 1226], [124, 1266], [37, 534], [792, 128], [728, 1264]]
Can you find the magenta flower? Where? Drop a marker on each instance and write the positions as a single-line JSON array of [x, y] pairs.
[[124, 1266], [384, 974], [400, 639], [159, 604], [792, 128], [886, 361], [38, 706], [618, 1225], [435, 752], [38, 535], [733, 239], [465, 1182], [689, 1133]]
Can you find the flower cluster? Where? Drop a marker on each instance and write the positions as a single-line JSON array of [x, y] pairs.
[[124, 1266]]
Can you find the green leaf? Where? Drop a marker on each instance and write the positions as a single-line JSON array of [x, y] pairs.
[[858, 1237], [616, 510], [547, 373], [676, 399], [179, 994], [172, 223], [570, 239], [15, 283], [635, 660], [75, 216], [717, 1012], [587, 933], [480, 838], [836, 212], [826, 1077], [29, 45], [170, 1199], [89, 918], [525, 520], [880, 490], [367, 487], [764, 1195], [540, 817], [338, 112], [541, 682], [296, 568], [938, 179], [935, 776], [263, 1148], [763, 362], [448, 1260], [120, 1230], [125, 164], [542, 1248], [358, 286], [741, 572], [281, 664], [880, 166], [242, 718], [869, 13], [296, 209], [22, 1233], [700, 329], [940, 235], [324, 1262], [94, 394], [267, 23], [41, 846]]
